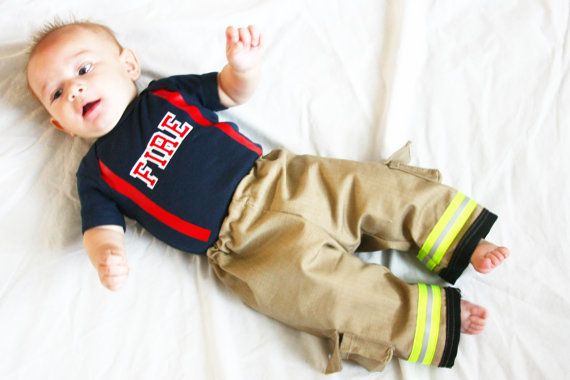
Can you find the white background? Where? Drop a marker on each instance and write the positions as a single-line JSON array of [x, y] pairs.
[[481, 88]]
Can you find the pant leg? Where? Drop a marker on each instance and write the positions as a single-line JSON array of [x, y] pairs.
[[374, 206], [299, 218], [297, 273], [448, 247]]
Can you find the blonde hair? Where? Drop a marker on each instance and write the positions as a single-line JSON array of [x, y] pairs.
[[58, 24]]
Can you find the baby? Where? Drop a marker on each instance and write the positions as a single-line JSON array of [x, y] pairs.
[[279, 230]]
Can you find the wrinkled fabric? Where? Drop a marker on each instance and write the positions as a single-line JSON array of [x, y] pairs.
[[287, 250], [480, 87]]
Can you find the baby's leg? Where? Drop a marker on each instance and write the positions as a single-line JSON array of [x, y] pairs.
[[294, 271], [444, 225], [286, 249], [487, 256], [301, 277], [371, 206]]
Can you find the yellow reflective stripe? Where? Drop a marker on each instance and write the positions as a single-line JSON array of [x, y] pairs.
[[440, 225], [452, 234], [435, 318], [427, 324], [420, 323], [446, 230]]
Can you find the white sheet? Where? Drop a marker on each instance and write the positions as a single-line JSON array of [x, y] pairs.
[[480, 87]]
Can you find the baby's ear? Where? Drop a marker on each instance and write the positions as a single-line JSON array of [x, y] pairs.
[[131, 63], [57, 124]]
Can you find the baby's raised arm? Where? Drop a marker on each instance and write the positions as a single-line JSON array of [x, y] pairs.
[[238, 79], [106, 249]]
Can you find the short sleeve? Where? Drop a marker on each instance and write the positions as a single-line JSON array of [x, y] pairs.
[[96, 208], [198, 88]]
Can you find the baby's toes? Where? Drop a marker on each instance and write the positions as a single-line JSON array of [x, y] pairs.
[[476, 329], [495, 260], [503, 252], [498, 255]]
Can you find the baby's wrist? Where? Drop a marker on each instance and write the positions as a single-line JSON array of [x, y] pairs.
[[244, 71]]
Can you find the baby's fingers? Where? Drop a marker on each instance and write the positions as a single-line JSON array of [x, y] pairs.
[[113, 277], [113, 270], [114, 282], [245, 37], [232, 36], [113, 258], [255, 36]]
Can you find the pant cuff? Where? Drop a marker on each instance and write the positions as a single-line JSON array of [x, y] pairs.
[[453, 326], [462, 254]]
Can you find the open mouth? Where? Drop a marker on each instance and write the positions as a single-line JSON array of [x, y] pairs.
[[87, 108]]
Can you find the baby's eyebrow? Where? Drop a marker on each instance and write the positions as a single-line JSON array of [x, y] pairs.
[[79, 53], [73, 56]]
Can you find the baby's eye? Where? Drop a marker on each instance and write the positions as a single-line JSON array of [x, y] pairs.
[[85, 69], [56, 94]]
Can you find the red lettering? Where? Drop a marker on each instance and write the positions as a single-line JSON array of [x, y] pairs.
[[160, 148], [161, 142], [157, 160], [144, 173], [169, 123]]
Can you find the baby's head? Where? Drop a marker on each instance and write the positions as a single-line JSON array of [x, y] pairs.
[[83, 77]]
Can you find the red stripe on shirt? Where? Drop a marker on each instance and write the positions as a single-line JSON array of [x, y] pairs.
[[176, 99], [123, 187]]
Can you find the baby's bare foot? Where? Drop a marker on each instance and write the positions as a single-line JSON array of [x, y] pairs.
[[473, 318], [487, 256]]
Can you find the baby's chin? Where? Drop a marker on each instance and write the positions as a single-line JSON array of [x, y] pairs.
[[104, 125], [97, 130], [102, 131]]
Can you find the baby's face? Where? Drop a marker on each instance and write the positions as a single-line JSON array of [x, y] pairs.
[[83, 80]]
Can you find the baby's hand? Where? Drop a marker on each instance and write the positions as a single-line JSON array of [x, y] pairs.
[[243, 47], [113, 269]]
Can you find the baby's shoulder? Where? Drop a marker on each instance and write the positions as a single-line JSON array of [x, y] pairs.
[[89, 163]]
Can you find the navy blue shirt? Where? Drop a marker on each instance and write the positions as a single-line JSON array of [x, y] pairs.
[[169, 164]]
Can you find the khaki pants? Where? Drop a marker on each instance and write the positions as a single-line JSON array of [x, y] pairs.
[[286, 249]]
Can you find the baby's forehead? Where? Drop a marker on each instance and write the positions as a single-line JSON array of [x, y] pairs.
[[86, 36]]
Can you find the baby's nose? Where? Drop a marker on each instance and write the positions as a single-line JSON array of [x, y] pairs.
[[75, 90]]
